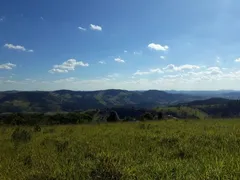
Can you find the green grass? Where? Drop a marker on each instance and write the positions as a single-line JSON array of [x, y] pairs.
[[170, 149]]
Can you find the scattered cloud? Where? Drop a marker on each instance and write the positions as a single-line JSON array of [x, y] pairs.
[[214, 71], [54, 70], [101, 62], [82, 29], [7, 66], [158, 47], [137, 52], [119, 60], [95, 27], [17, 47], [151, 71], [205, 78], [42, 18], [125, 51], [172, 67], [162, 57], [67, 66], [237, 60]]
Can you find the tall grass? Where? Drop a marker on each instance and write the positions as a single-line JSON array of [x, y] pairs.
[[148, 150]]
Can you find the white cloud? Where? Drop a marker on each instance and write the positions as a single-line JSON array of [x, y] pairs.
[[214, 70], [201, 79], [158, 47], [119, 60], [7, 66], [57, 71], [82, 29], [157, 70], [150, 71], [68, 65], [172, 67], [101, 62], [17, 47], [237, 60], [162, 57], [188, 67], [125, 51], [95, 27], [42, 18], [141, 73]]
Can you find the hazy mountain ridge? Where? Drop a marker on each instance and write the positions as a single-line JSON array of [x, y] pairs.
[[67, 100]]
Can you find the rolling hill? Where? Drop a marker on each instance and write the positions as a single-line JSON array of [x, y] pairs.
[[66, 100]]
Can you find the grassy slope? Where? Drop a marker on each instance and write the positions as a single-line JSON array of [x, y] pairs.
[[151, 150]]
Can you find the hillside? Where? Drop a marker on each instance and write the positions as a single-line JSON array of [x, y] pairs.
[[216, 107], [66, 100]]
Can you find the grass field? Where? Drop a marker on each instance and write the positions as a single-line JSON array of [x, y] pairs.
[[170, 149]]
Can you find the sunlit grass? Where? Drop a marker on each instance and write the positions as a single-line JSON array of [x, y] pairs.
[[151, 150]]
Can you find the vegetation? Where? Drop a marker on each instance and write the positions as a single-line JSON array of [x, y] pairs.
[[193, 149], [122, 137], [83, 117], [69, 101], [217, 107]]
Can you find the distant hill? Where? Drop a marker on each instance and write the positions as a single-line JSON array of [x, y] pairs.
[[211, 101], [216, 107], [66, 100], [227, 94]]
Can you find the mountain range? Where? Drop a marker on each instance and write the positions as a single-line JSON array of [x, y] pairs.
[[67, 100]]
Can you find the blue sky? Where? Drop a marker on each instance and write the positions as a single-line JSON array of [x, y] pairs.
[[134, 45]]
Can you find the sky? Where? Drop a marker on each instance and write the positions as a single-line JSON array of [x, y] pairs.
[[119, 44]]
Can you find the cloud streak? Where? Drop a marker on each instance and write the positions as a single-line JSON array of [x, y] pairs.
[[17, 47], [82, 29], [172, 67]]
